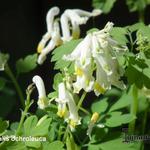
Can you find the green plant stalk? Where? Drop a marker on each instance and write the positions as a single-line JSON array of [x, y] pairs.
[[28, 104], [81, 100], [134, 108], [18, 89], [144, 121]]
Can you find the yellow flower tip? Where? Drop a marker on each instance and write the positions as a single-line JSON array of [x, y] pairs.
[[78, 71], [61, 113], [72, 124], [99, 88], [40, 47], [94, 117]]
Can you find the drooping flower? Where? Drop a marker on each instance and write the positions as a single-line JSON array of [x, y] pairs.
[[50, 28], [55, 41], [83, 65], [62, 100], [42, 99], [66, 98], [76, 17], [97, 53], [53, 38]]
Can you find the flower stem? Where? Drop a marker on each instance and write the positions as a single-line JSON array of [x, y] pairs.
[[134, 108], [18, 89], [27, 106], [81, 100]]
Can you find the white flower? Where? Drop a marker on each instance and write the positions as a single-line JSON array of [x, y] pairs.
[[76, 17], [50, 28], [74, 118], [65, 97], [83, 65], [52, 37], [97, 52], [55, 41], [42, 99], [62, 100]]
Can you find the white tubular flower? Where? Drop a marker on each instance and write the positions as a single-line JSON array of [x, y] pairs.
[[74, 118], [76, 17], [83, 65], [50, 28], [84, 79], [70, 115], [62, 100], [55, 41], [42, 99]]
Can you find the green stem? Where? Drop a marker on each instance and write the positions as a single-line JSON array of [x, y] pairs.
[[144, 121], [142, 16], [134, 108], [18, 89], [84, 110], [27, 106], [81, 100]]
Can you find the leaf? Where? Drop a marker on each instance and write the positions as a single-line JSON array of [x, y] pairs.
[[138, 67], [29, 124], [60, 51], [56, 145], [119, 34], [100, 106], [3, 126], [115, 144], [70, 143], [35, 128], [58, 78], [3, 60], [104, 5], [135, 27], [136, 5], [16, 146], [124, 101], [117, 119], [2, 83], [27, 64]]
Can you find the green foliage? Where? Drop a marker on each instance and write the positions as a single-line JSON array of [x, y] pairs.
[[3, 60], [104, 5], [3, 126], [56, 145], [138, 67], [27, 64], [116, 144], [100, 106], [59, 52], [137, 5], [123, 102], [117, 119], [120, 35]]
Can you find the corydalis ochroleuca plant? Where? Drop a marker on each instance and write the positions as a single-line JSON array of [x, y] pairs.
[[70, 21], [97, 53], [42, 99]]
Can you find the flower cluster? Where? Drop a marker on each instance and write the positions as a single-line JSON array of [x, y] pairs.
[[97, 53], [69, 25]]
